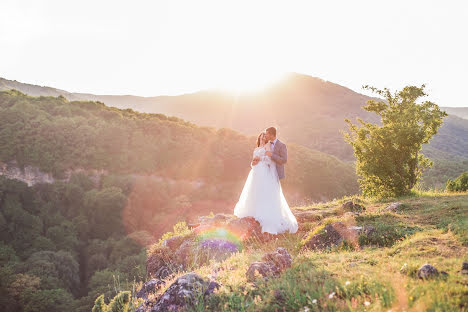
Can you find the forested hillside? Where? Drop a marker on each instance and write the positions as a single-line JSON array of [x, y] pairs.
[[56, 135], [62, 244], [307, 110]]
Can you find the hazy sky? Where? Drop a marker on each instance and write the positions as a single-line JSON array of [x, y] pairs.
[[171, 47]]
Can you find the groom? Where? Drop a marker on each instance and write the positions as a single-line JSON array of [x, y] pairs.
[[279, 152]]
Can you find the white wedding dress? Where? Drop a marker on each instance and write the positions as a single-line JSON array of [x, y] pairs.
[[263, 199]]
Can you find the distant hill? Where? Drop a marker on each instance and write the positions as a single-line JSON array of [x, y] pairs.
[[307, 110], [461, 112]]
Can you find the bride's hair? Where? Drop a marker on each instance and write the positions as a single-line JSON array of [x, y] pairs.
[[259, 138]]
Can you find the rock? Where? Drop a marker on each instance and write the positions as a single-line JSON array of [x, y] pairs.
[[246, 227], [265, 269], [393, 207], [217, 219], [272, 265], [183, 254], [174, 242], [145, 306], [149, 287], [184, 293], [464, 269], [332, 235], [427, 271], [366, 229], [221, 218], [165, 271], [280, 258], [159, 257], [369, 230], [352, 207]]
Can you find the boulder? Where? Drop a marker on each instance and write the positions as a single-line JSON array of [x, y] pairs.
[[464, 269], [149, 287], [428, 271], [246, 228], [272, 264], [264, 269], [280, 258], [333, 234], [353, 207], [184, 293]]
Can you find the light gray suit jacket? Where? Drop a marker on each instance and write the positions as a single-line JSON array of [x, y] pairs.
[[280, 157]]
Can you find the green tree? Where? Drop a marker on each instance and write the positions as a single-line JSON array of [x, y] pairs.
[[460, 184], [388, 158]]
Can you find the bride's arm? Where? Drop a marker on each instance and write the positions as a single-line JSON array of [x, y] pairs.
[[255, 159]]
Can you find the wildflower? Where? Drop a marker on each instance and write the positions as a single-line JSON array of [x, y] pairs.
[[306, 309], [366, 303], [330, 296], [347, 283], [314, 301]]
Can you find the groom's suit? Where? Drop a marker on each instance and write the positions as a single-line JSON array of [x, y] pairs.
[[280, 157]]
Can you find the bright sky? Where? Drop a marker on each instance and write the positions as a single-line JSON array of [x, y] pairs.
[[171, 47]]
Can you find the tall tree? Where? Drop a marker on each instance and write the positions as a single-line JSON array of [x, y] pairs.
[[388, 158]]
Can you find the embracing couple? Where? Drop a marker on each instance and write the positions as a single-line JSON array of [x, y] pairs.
[[262, 196]]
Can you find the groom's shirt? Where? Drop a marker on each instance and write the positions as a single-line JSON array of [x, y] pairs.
[[273, 144]]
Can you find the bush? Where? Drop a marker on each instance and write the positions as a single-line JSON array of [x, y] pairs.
[[460, 184]]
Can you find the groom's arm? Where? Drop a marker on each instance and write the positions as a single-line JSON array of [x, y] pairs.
[[282, 157]]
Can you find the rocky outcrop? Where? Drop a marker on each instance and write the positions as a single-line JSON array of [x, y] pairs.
[[181, 252], [160, 263], [272, 264], [150, 287], [183, 293], [332, 235], [32, 175]]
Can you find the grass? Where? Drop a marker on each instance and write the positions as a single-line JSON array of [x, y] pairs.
[[430, 228]]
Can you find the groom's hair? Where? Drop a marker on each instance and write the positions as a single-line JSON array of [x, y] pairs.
[[271, 130]]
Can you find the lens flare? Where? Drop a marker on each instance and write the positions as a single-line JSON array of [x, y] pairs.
[[211, 234]]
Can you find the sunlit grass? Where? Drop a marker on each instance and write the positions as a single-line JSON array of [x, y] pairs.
[[380, 275]]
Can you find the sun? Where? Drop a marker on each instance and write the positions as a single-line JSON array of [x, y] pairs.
[[248, 82]]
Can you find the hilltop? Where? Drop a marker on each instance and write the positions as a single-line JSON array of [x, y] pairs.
[[349, 254]]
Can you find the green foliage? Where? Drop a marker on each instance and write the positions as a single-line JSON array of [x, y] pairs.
[[120, 302], [388, 158], [387, 230], [99, 305], [180, 229], [57, 135], [53, 252], [460, 184]]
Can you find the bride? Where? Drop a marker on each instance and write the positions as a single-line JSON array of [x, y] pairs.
[[262, 196]]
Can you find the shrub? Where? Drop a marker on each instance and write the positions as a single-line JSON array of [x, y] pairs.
[[460, 184]]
